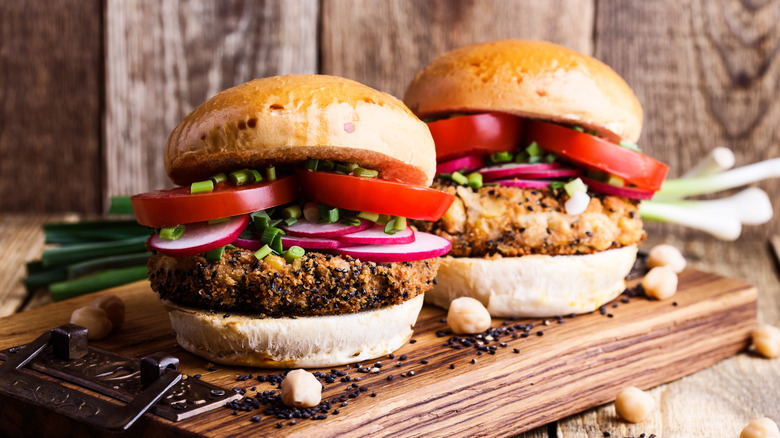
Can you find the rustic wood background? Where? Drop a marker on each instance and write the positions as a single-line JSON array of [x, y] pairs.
[[90, 89]]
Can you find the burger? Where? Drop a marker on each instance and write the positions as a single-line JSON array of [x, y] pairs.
[[287, 243], [538, 144]]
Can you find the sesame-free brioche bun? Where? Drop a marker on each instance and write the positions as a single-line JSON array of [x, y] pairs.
[[532, 79], [535, 285], [304, 341], [287, 119]]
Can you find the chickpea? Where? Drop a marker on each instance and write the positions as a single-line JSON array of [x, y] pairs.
[[634, 405], [114, 308], [760, 428], [660, 283], [301, 389], [94, 319], [767, 340], [467, 316], [666, 255]]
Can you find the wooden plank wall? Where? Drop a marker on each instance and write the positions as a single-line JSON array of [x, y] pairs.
[[89, 90]]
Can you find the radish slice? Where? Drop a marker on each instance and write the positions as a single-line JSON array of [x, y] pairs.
[[250, 244], [200, 237], [525, 183], [468, 162], [514, 169], [310, 243], [542, 173], [623, 192], [304, 228], [425, 246], [377, 236]]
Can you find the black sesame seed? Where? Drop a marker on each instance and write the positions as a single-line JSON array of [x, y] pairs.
[[452, 366], [540, 333], [412, 341], [473, 361], [516, 350]]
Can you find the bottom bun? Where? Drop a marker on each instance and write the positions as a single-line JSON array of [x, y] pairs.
[[306, 341], [535, 285]]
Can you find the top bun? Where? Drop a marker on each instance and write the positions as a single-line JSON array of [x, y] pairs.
[[533, 79], [287, 119]]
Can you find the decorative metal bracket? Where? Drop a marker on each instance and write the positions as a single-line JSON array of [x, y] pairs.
[[151, 384]]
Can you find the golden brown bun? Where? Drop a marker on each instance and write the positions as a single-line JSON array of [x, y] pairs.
[[287, 119], [535, 285], [531, 79], [305, 341]]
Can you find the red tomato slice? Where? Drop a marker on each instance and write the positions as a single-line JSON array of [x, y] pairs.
[[597, 154], [164, 208], [475, 134], [374, 195]]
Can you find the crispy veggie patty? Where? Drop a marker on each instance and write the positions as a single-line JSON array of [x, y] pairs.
[[317, 284], [512, 221]]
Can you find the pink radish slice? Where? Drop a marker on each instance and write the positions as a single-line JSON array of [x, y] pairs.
[[250, 244], [468, 162], [623, 192], [425, 246], [525, 183], [509, 170], [200, 237], [310, 243], [304, 228], [376, 236]]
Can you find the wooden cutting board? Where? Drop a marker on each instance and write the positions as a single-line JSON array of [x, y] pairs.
[[575, 365]]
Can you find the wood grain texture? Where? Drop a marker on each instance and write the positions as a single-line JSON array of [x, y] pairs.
[[575, 365], [50, 107], [718, 401], [166, 57], [385, 43], [707, 74]]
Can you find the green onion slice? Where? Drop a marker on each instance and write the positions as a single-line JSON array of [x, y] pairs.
[[373, 217], [202, 186], [215, 255], [270, 173], [294, 252], [172, 233], [218, 178], [475, 180], [327, 214], [459, 178], [311, 164], [293, 211], [240, 177], [365, 173], [261, 253]]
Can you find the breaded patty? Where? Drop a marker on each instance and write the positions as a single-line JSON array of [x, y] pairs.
[[512, 221], [317, 284]]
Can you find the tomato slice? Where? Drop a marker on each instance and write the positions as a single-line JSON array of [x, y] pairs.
[[597, 154], [475, 134], [164, 208], [374, 195]]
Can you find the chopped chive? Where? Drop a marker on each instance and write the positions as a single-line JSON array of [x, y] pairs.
[[550, 157], [202, 186], [366, 173], [292, 211], [219, 178], [215, 254], [327, 215], [290, 221], [260, 223], [501, 157], [615, 181], [262, 252], [95, 282], [557, 184], [459, 178], [475, 180], [390, 227], [350, 221], [373, 217], [270, 173], [294, 252], [172, 233], [256, 175], [218, 221], [399, 224], [120, 205], [383, 219], [628, 145], [275, 223], [326, 165], [311, 164], [575, 185], [269, 233], [276, 244], [534, 150], [240, 177]]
